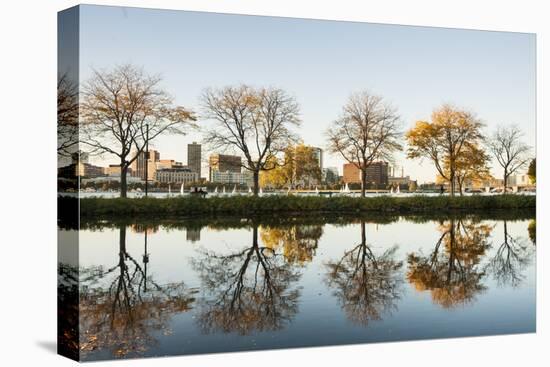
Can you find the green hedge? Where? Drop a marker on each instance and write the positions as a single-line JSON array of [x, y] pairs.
[[248, 205]]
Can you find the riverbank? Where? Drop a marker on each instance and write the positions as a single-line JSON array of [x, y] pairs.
[[249, 205]]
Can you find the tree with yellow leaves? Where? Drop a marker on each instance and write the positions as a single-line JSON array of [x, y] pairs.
[[471, 166], [445, 140], [299, 167]]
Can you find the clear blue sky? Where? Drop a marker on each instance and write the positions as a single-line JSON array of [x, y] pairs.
[[320, 63]]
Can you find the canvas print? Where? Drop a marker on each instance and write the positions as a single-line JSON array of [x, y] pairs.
[[235, 183]]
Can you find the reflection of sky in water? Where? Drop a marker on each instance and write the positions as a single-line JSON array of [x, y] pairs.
[[320, 318]]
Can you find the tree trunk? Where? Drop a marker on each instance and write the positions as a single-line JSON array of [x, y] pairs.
[[505, 183], [122, 245], [123, 182], [363, 181], [256, 183], [363, 233], [452, 182]]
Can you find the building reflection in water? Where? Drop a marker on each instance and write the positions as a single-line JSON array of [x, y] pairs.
[[193, 234], [246, 290], [367, 285], [121, 307]]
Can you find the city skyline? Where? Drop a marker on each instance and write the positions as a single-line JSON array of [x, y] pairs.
[[413, 69]]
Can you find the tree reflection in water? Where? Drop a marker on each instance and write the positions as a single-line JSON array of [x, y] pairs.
[[366, 285], [532, 229], [451, 273], [510, 260], [121, 307], [249, 290], [298, 242]]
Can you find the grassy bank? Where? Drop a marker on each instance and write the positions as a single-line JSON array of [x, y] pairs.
[[249, 206]]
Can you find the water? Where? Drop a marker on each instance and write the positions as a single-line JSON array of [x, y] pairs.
[[219, 285]]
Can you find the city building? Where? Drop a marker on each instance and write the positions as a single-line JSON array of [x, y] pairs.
[[520, 180], [330, 175], [223, 163], [80, 167], [107, 179], [228, 177], [402, 180], [176, 175], [318, 153], [169, 163], [79, 156], [113, 170], [352, 173], [194, 158], [139, 164], [377, 173], [81, 170]]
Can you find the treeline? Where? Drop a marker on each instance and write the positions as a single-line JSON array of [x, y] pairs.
[[124, 109]]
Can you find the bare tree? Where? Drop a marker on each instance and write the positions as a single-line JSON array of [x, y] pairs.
[[119, 106], [67, 115], [510, 152], [255, 122], [368, 130]]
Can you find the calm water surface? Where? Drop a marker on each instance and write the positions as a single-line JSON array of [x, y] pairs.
[[178, 288]]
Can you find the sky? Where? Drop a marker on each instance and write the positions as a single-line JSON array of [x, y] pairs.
[[320, 63]]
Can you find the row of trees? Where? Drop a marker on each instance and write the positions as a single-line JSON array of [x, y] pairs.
[[453, 140], [124, 109]]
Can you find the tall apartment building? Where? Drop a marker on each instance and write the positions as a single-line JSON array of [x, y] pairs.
[[194, 157], [377, 173], [138, 165], [318, 153], [224, 163], [330, 175]]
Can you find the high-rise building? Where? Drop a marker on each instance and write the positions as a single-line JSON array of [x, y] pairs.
[[194, 157], [352, 173], [377, 173], [330, 175], [318, 154], [224, 163], [138, 165]]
